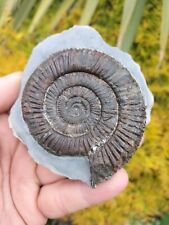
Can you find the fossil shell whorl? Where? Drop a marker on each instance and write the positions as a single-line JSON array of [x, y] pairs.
[[81, 102]]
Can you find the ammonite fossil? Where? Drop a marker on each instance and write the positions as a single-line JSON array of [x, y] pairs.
[[83, 106]]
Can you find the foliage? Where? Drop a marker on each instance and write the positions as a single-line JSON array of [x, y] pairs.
[[19, 10], [132, 13], [164, 29], [147, 195], [88, 12]]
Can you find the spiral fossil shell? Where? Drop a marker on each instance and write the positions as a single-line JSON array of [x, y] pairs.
[[82, 102], [82, 106]]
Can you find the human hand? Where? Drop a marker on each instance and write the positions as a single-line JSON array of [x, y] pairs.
[[30, 193]]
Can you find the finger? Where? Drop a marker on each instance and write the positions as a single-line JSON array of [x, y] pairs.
[[67, 196], [7, 141], [47, 177], [25, 186], [9, 88]]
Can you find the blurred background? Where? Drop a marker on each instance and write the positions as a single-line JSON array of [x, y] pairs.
[[140, 27]]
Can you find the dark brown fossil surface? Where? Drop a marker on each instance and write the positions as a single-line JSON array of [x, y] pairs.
[[81, 102]]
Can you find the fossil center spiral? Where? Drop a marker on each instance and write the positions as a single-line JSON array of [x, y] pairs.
[[76, 102]]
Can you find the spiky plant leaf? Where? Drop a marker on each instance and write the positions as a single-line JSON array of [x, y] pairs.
[[7, 8], [164, 29], [132, 13], [1, 5], [88, 12], [22, 13], [65, 6], [42, 9]]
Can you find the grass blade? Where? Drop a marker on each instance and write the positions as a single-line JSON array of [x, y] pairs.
[[42, 9], [88, 12], [22, 13], [65, 6], [132, 13], [164, 29], [7, 8], [126, 16], [2, 2]]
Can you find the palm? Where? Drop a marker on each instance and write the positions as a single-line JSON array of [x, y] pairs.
[[20, 182], [29, 193]]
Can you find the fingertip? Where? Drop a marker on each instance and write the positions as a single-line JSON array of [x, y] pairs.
[[12, 75], [9, 89], [123, 179], [67, 196], [17, 75], [107, 189]]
